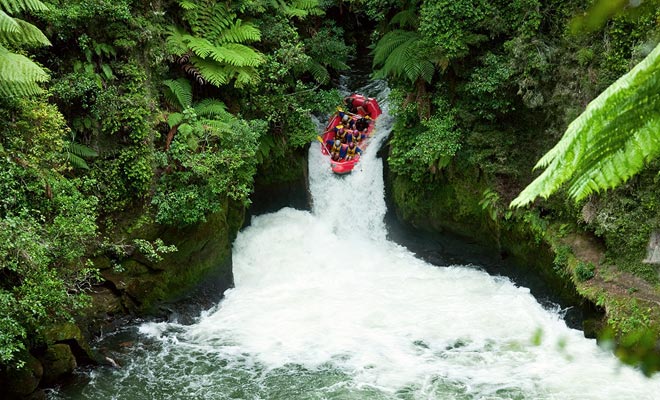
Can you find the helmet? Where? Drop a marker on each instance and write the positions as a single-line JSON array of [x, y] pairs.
[[337, 142], [351, 144], [345, 118]]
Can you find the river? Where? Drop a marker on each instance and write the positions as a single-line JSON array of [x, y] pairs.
[[326, 307]]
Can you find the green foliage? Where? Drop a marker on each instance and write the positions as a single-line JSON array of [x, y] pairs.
[[46, 226], [403, 54], [427, 148], [210, 156], [326, 50], [153, 251], [452, 26], [19, 75], [216, 52], [611, 141], [584, 271], [77, 153]]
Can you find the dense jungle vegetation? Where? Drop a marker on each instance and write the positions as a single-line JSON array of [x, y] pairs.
[[165, 109]]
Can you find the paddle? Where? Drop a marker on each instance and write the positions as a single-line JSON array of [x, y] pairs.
[[320, 139]]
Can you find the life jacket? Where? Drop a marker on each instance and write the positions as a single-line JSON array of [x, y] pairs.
[[350, 152], [340, 134], [356, 136], [335, 149]]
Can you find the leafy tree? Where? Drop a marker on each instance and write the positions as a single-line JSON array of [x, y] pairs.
[[19, 76], [612, 140], [46, 225]]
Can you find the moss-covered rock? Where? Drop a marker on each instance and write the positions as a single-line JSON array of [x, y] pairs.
[[19, 382], [58, 361], [142, 282]]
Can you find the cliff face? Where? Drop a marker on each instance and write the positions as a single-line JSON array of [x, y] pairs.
[[133, 285]]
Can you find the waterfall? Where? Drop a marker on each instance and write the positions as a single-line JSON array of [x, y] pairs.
[[325, 307]]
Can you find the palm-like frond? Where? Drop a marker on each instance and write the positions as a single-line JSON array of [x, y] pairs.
[[217, 42], [19, 75], [239, 33], [28, 34], [77, 153], [210, 108], [178, 93], [212, 72], [406, 18], [400, 55], [17, 6], [318, 71], [175, 41], [217, 126], [231, 53], [8, 25], [609, 142], [174, 119]]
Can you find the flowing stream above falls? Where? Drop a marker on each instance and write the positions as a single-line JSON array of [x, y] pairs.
[[326, 307]]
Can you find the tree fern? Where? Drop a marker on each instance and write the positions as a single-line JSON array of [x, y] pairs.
[[211, 108], [399, 53], [18, 6], [8, 26], [217, 40], [208, 115], [19, 76], [613, 139]]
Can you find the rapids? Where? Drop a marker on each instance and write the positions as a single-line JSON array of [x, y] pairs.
[[326, 307]]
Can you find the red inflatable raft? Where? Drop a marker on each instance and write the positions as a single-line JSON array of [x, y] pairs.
[[363, 112]]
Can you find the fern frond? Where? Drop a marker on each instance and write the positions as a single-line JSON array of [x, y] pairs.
[[181, 90], [231, 53], [211, 108], [174, 119], [29, 34], [187, 5], [77, 162], [318, 71], [76, 154], [8, 25], [19, 75], [610, 141], [217, 126], [400, 55], [176, 42], [390, 42], [239, 33], [246, 76], [17, 6], [211, 71], [81, 150], [405, 18]]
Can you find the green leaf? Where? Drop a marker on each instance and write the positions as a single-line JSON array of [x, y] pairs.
[[609, 142]]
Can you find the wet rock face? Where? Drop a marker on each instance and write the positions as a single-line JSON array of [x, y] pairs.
[[653, 249], [18, 383], [58, 361]]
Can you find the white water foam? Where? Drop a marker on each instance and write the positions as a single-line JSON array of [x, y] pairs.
[[325, 307]]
